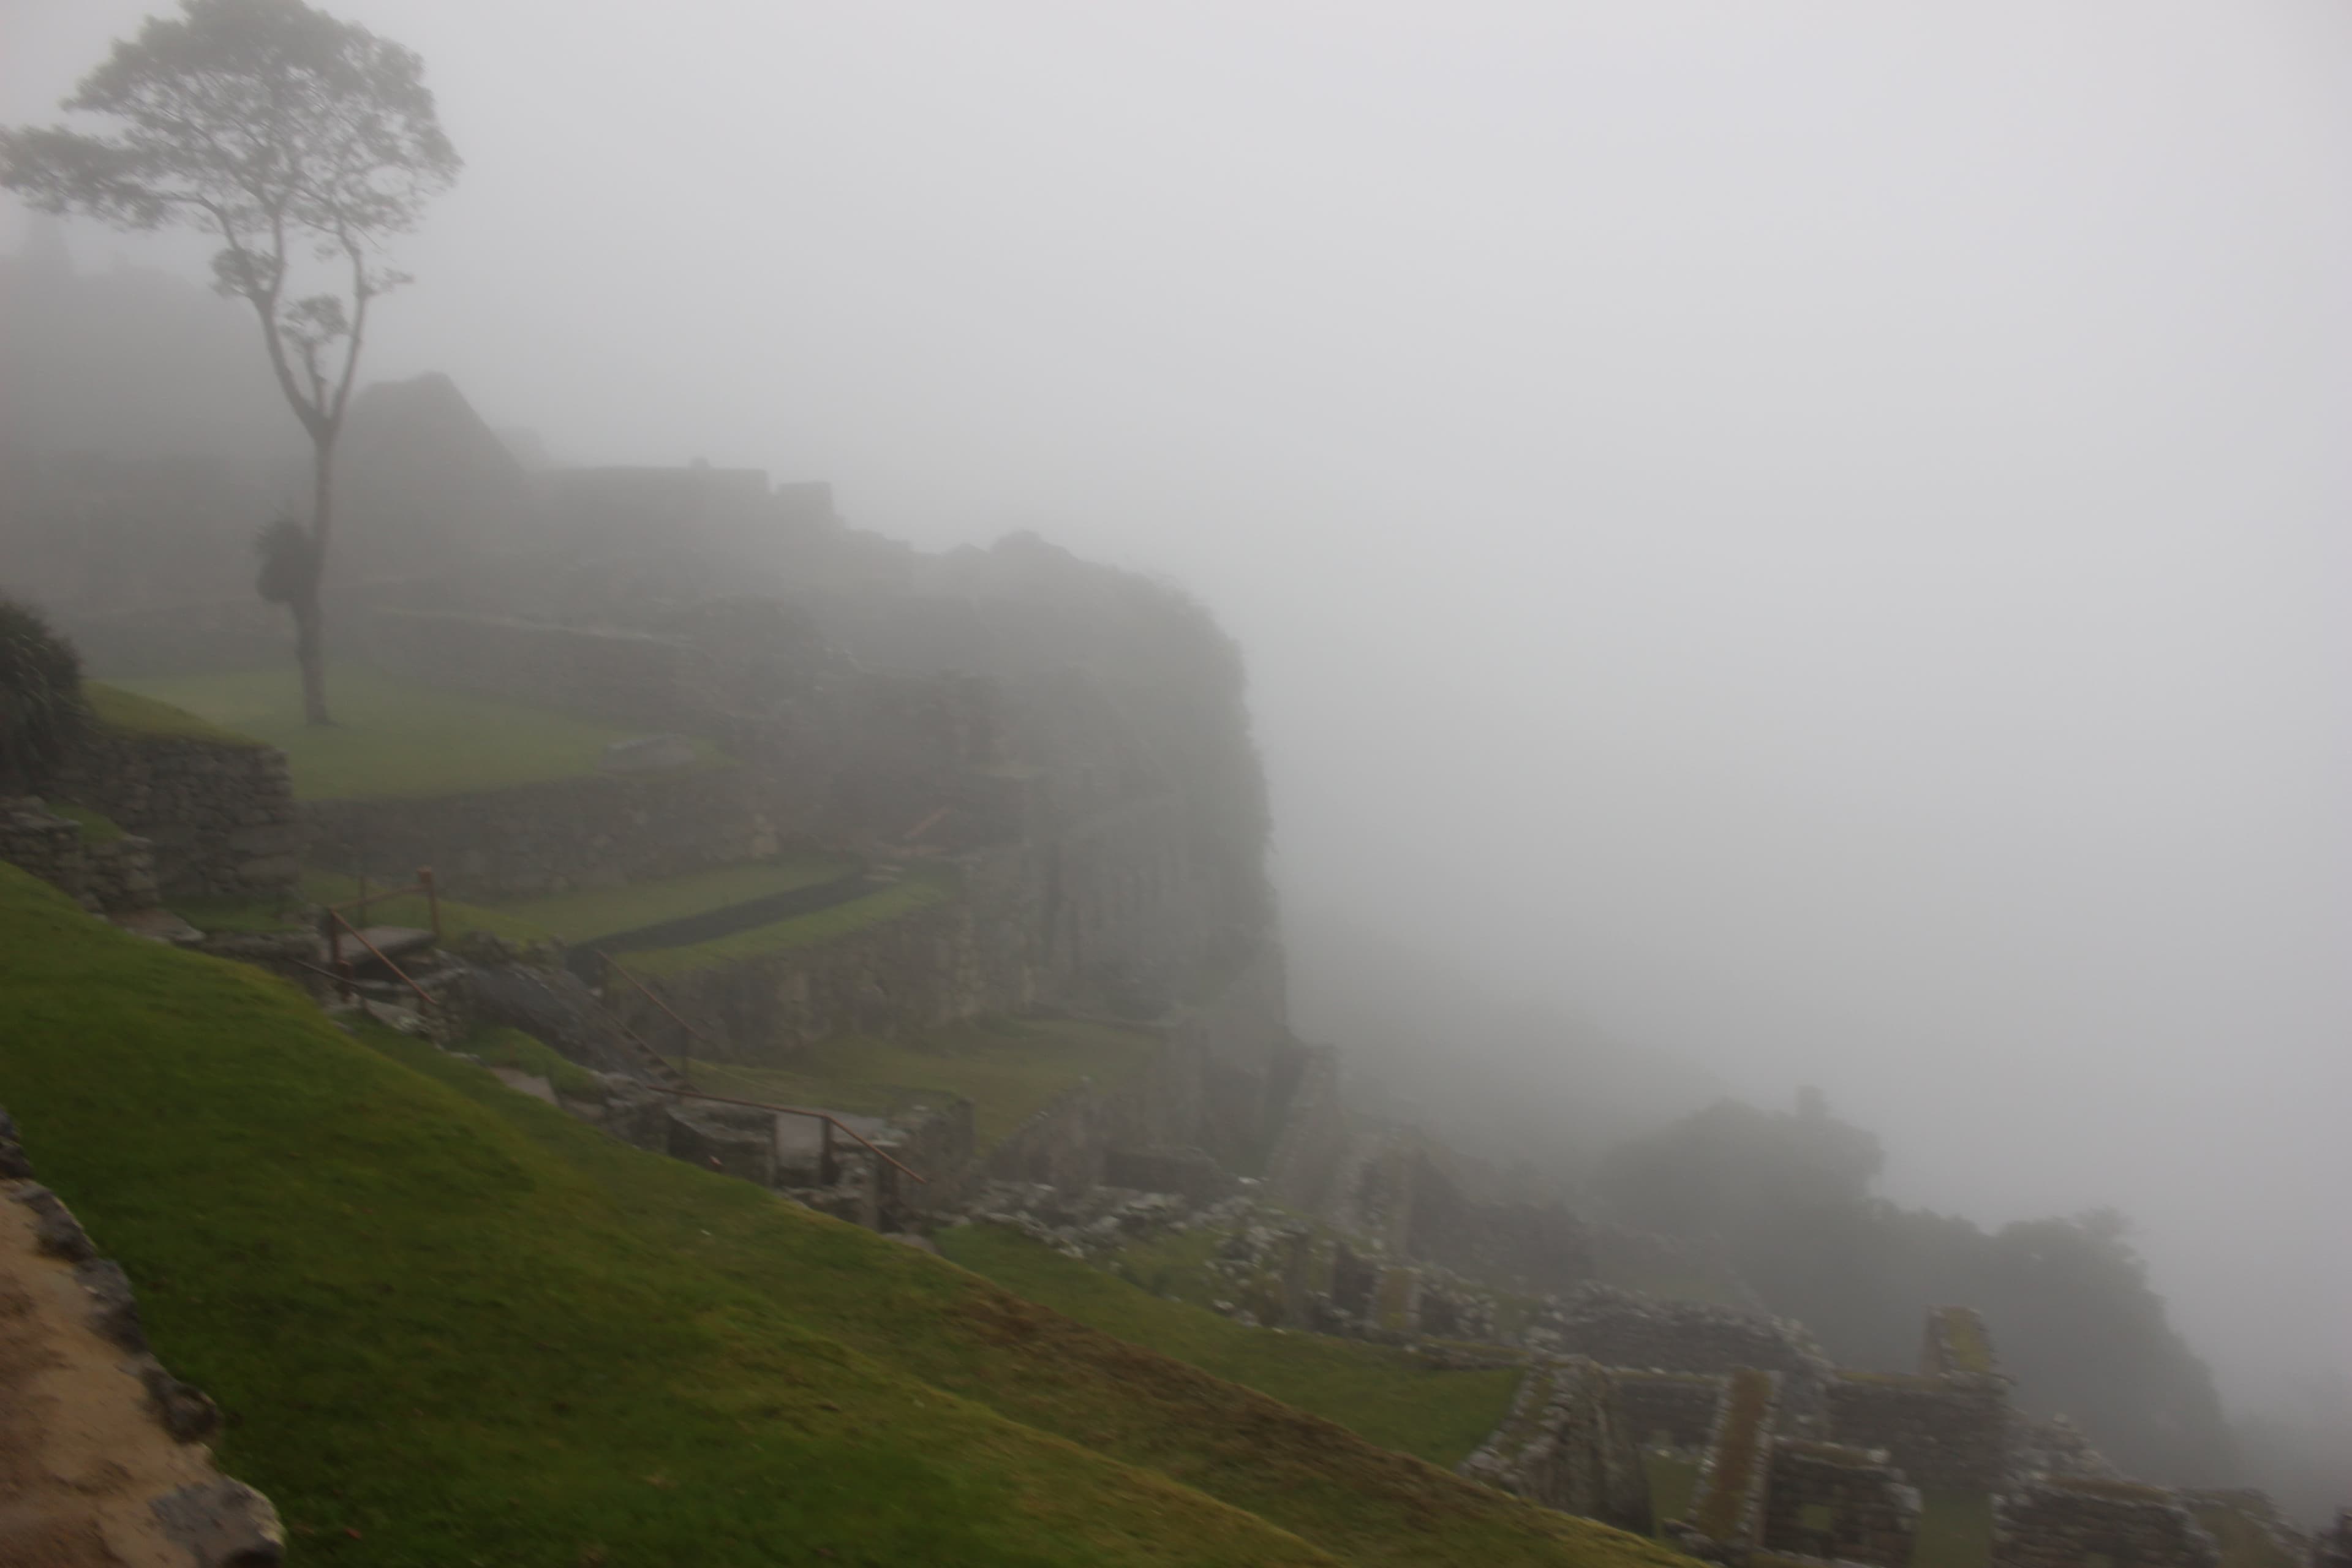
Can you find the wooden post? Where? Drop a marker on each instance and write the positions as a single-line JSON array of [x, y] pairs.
[[432, 898]]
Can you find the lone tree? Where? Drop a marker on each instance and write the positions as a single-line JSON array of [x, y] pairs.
[[292, 137]]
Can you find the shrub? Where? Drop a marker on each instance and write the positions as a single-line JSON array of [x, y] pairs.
[[40, 697]]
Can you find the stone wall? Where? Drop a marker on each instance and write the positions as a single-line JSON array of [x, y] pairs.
[[1568, 1445], [1951, 1426], [920, 970], [608, 677], [1298, 1173], [219, 814], [1680, 1405], [1068, 1143], [547, 837], [1726, 1514], [1840, 1504], [2082, 1524], [1945, 1433], [1618, 1328], [104, 878]]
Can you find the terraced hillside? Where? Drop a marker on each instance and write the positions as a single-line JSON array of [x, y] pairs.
[[450, 1325]]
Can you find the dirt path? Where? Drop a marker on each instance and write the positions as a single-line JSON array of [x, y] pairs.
[[81, 1458]]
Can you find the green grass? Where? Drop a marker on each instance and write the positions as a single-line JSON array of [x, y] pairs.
[[97, 827], [920, 887], [451, 1325], [590, 912], [593, 913], [1381, 1394], [1673, 1479], [1008, 1067], [117, 709], [1173, 1263], [391, 737], [1954, 1531], [505, 1048]]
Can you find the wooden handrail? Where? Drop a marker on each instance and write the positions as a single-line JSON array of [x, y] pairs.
[[423, 884], [336, 916], [655, 997]]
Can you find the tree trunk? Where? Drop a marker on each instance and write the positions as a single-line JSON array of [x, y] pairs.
[[310, 616]]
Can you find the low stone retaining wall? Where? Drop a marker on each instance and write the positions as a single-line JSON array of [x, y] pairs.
[[547, 837], [1069, 1142], [104, 878], [1844, 1504], [1951, 1434], [219, 814], [2073, 1522], [1618, 1328], [1568, 1445]]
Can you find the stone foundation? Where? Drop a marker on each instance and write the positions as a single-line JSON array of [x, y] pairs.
[[104, 878], [1617, 1328], [2082, 1523], [1568, 1445], [1844, 1504], [546, 837], [219, 814]]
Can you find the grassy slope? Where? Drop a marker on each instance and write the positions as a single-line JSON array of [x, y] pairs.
[[1007, 1068], [452, 1325], [391, 737], [1393, 1399], [117, 709]]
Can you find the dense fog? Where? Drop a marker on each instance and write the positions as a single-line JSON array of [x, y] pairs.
[[1777, 545]]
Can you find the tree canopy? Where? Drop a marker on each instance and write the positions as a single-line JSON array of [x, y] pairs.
[[292, 137]]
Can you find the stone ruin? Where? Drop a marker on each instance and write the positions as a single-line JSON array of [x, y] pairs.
[[1950, 1426], [2074, 1521], [1569, 1443]]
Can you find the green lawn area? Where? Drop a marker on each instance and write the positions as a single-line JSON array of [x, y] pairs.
[[117, 709], [1382, 1395], [390, 737], [1672, 1482], [1007, 1068], [449, 1324], [1954, 1531], [919, 886]]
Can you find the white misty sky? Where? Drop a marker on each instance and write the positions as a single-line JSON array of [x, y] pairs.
[[1813, 534]]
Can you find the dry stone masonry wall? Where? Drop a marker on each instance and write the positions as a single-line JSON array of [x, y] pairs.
[[219, 814], [2077, 1522], [549, 837], [1839, 1503], [104, 878], [1949, 1427], [1568, 1444]]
